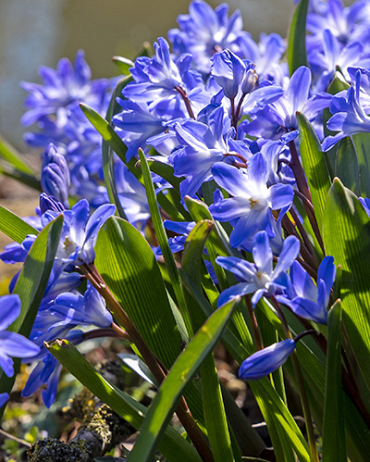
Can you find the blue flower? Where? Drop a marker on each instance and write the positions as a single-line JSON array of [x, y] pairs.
[[135, 124], [159, 82], [346, 24], [267, 360], [266, 56], [202, 143], [47, 372], [324, 64], [305, 298], [260, 278], [230, 71], [350, 111], [365, 201], [177, 243], [79, 231], [205, 31], [75, 309], [279, 117], [249, 208], [62, 87], [11, 343]]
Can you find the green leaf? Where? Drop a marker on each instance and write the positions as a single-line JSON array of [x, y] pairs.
[[361, 142], [334, 442], [163, 240], [13, 226], [297, 55], [129, 268], [11, 155], [346, 166], [181, 373], [214, 411], [31, 286], [314, 166], [173, 446], [346, 233], [124, 64]]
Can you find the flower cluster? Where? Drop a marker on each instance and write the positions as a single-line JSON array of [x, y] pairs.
[[220, 110]]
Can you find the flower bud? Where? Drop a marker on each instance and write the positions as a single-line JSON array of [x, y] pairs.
[[55, 175], [266, 361]]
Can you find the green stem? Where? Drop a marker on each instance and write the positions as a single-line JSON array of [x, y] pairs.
[[301, 387]]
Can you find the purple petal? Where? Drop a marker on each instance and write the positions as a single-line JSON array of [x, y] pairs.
[[299, 87], [289, 253], [16, 345], [10, 308], [281, 196], [242, 269], [236, 291], [230, 178], [262, 254]]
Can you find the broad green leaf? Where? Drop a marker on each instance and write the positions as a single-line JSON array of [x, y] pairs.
[[163, 240], [110, 136], [13, 226], [129, 268], [334, 443], [124, 64], [346, 233], [361, 143], [31, 286], [173, 446], [184, 368], [314, 165], [346, 166], [297, 55], [214, 411], [11, 155]]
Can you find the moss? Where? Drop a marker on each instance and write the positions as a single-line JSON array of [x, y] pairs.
[[53, 450], [101, 428]]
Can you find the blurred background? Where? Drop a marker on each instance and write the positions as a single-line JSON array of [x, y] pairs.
[[40, 32]]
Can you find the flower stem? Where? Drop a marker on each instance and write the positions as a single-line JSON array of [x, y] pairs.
[[255, 328], [301, 387], [186, 101]]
